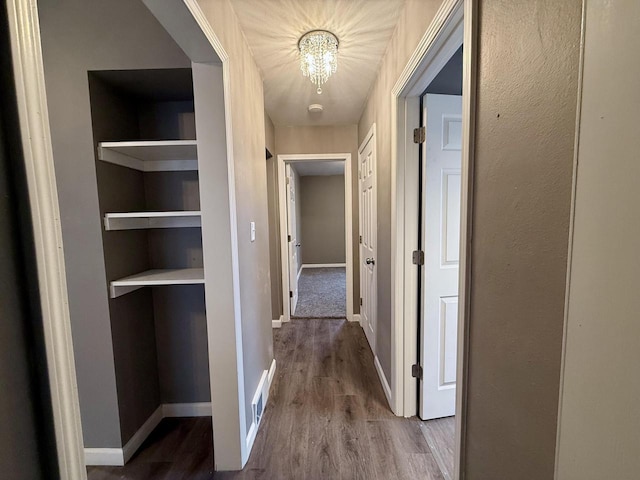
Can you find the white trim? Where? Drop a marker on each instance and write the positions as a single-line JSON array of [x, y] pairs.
[[348, 206], [572, 216], [276, 323], [141, 435], [111, 457], [272, 373], [196, 409], [453, 24], [323, 265], [356, 319], [264, 387], [120, 456], [383, 380], [35, 133]]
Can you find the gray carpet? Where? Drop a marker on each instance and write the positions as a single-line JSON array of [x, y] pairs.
[[322, 293]]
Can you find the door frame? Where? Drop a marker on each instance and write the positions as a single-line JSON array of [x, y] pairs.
[[31, 97], [348, 220], [371, 136], [454, 24]]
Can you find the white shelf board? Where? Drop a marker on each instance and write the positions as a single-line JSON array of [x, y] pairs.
[[151, 156], [155, 278], [142, 220]]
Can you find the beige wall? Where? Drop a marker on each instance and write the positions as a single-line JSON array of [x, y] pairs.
[[247, 119], [528, 70], [334, 139], [600, 413], [413, 21], [322, 212]]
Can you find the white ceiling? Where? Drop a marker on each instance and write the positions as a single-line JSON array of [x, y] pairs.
[[307, 169], [272, 29]]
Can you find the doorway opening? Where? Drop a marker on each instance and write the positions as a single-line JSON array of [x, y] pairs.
[[315, 228], [431, 160]]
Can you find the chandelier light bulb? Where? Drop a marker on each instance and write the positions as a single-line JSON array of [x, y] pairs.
[[318, 56]]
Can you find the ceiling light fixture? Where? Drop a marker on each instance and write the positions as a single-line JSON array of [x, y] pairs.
[[318, 56]]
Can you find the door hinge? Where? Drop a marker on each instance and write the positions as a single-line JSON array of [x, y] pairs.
[[288, 238], [416, 371], [360, 301], [417, 257], [290, 294], [419, 135], [360, 238]]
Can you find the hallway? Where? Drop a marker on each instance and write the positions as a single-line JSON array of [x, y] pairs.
[[327, 417]]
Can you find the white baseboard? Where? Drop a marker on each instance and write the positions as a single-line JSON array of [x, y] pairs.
[[104, 456], [263, 389], [199, 409], [276, 323], [117, 457], [323, 265], [355, 318], [141, 435], [383, 381]]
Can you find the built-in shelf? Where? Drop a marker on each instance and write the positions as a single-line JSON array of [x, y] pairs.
[[155, 278], [142, 220], [151, 156]]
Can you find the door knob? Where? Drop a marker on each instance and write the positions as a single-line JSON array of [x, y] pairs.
[[370, 261]]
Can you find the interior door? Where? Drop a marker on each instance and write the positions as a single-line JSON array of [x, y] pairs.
[[293, 241], [441, 167], [368, 243]]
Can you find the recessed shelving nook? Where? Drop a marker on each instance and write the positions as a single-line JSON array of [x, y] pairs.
[[146, 159]]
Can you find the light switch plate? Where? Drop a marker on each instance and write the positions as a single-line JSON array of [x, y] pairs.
[[253, 231]]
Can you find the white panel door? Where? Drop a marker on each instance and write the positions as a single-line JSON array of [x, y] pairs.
[[442, 159], [293, 241], [368, 244]]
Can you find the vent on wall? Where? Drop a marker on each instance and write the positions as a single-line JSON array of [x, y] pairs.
[[259, 399]]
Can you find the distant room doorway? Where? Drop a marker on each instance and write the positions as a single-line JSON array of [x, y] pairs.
[[315, 219]]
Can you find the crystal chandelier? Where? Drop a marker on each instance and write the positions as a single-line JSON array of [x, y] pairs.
[[318, 56]]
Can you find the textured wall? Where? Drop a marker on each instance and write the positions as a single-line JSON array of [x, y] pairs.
[[78, 36], [336, 139], [600, 413], [322, 215], [526, 112], [413, 21], [247, 119]]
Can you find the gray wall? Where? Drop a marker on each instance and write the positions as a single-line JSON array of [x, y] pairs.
[[600, 413], [528, 70], [526, 114], [322, 215], [78, 36]]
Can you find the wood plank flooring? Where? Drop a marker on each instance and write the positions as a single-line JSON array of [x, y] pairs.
[[179, 448], [327, 416], [327, 419]]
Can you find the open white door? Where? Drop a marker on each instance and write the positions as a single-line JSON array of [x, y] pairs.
[[441, 159], [293, 241], [368, 233]]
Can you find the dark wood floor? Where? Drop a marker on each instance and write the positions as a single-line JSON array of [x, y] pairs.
[[327, 418], [179, 448]]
